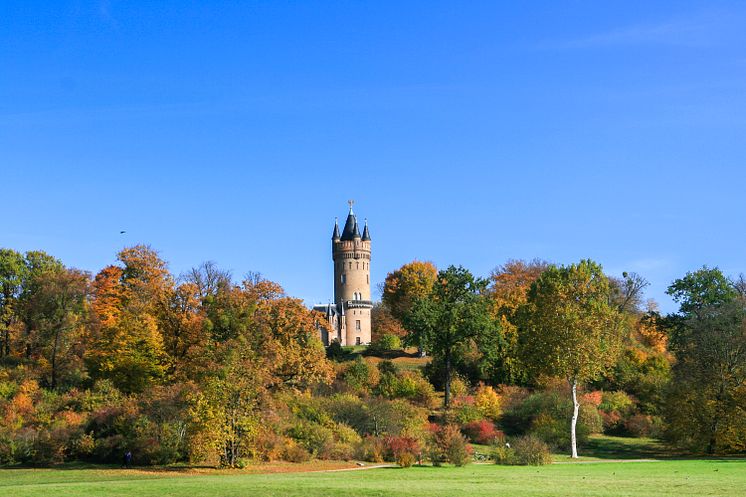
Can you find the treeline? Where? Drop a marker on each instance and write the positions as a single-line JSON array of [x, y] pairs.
[[201, 368], [546, 334]]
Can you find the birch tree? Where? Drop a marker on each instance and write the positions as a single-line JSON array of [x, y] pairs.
[[568, 328]]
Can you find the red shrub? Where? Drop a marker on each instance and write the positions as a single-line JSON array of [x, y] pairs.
[[404, 450], [481, 432]]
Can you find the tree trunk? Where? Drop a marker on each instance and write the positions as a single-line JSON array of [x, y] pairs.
[[574, 422], [448, 379]]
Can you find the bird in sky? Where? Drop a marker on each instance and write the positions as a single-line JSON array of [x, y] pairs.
[[122, 232]]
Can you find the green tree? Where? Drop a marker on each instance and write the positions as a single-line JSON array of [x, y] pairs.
[[454, 314], [707, 401], [55, 314], [702, 288], [569, 328], [12, 274]]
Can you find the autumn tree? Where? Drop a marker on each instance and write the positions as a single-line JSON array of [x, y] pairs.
[[569, 328], [451, 316], [405, 285], [129, 301], [384, 323], [208, 279], [284, 332], [183, 326], [411, 281], [507, 291]]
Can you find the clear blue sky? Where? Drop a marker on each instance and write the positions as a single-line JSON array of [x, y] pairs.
[[468, 133]]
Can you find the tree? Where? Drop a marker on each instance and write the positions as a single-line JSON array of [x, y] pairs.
[[207, 278], [55, 314], [183, 326], [702, 288], [383, 323], [626, 293], [454, 313], [708, 337], [708, 398], [569, 328], [508, 290], [12, 273], [284, 334], [130, 304], [403, 286]]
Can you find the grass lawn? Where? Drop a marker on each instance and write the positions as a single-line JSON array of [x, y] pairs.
[[722, 478]]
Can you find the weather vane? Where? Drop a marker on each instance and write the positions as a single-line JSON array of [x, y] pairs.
[[350, 202]]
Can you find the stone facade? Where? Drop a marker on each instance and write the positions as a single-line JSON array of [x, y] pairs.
[[348, 318]]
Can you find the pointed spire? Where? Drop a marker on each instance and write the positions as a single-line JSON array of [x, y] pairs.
[[366, 233], [348, 233], [357, 229], [335, 235]]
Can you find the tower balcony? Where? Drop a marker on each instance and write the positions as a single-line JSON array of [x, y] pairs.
[[358, 304]]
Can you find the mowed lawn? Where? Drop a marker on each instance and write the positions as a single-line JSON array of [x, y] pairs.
[[677, 478]]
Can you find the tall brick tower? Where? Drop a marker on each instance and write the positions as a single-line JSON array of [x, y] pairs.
[[349, 316]]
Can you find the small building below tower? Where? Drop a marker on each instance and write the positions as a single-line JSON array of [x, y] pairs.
[[348, 317]]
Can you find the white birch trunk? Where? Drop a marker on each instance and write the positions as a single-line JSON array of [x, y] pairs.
[[574, 422]]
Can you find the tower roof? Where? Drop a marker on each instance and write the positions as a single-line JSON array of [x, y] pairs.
[[350, 229], [335, 234], [366, 233]]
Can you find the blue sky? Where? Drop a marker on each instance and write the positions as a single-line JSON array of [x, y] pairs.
[[468, 133]]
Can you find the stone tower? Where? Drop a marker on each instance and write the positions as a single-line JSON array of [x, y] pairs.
[[349, 316]]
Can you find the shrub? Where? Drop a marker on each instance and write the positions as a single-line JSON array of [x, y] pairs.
[[404, 450], [503, 454], [296, 453], [311, 436], [616, 401], [466, 413], [360, 375], [407, 385], [459, 388], [349, 410], [269, 446], [447, 444], [397, 417], [644, 425], [385, 343], [371, 449], [481, 432], [487, 402], [335, 350], [531, 451]]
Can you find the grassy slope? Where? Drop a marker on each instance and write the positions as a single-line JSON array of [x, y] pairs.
[[639, 479]]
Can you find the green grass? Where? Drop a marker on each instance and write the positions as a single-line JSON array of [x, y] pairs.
[[600, 447], [677, 478]]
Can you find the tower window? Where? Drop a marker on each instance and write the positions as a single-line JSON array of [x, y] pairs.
[[367, 279], [350, 264], [357, 340], [344, 278], [357, 325], [357, 265]]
